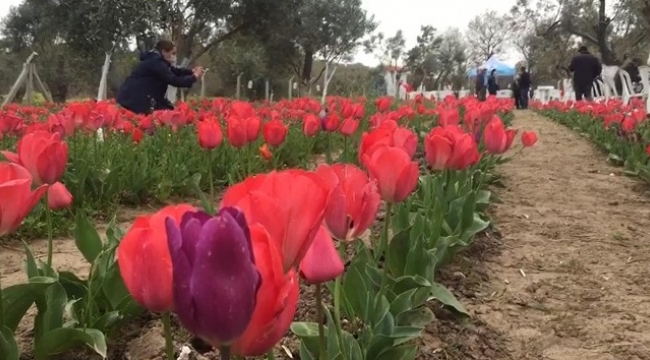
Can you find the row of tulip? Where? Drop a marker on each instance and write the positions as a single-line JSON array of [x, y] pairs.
[[230, 273], [620, 130]]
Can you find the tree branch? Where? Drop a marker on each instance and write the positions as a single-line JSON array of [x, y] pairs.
[[217, 41]]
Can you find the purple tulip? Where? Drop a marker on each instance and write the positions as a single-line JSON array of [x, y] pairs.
[[215, 277]]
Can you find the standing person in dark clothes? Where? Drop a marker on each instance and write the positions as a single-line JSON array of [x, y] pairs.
[[492, 86], [524, 87], [585, 68], [516, 93], [145, 88]]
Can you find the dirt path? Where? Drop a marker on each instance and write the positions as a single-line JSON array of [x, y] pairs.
[[573, 279]]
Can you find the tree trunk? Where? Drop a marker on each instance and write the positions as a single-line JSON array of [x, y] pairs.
[[307, 66], [59, 87], [606, 52]]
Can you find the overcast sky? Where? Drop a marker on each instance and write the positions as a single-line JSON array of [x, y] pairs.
[[407, 15]]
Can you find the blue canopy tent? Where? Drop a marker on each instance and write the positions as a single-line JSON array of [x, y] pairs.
[[502, 68]]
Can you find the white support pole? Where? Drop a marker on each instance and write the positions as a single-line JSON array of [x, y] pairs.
[[101, 92], [291, 88], [238, 92]]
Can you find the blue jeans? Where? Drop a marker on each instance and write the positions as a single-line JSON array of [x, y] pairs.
[[524, 97]]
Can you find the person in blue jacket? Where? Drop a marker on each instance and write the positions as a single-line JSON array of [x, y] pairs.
[[145, 88]]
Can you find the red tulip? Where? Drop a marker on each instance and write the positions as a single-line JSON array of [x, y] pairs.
[[322, 262], [210, 134], [236, 132], [277, 201], [253, 125], [438, 148], [276, 301], [332, 122], [353, 201], [349, 127], [310, 125], [528, 138], [384, 103], [389, 133], [274, 132], [137, 135], [497, 138], [58, 197], [449, 147], [396, 175], [465, 152], [43, 154], [144, 259], [265, 153], [16, 196]]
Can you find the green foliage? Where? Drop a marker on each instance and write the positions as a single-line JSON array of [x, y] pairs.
[[71, 312]]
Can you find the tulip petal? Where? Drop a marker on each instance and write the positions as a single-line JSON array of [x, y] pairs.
[[190, 228], [10, 156], [224, 281], [182, 273], [322, 262]]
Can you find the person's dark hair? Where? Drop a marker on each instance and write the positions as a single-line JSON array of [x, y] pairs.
[[164, 45], [493, 71], [583, 48], [523, 68]]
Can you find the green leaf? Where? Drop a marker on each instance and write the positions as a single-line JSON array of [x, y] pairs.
[[30, 261], [17, 299], [60, 340], [196, 186], [8, 346], [419, 317], [51, 306], [86, 238], [307, 332], [444, 296], [477, 225], [398, 250]]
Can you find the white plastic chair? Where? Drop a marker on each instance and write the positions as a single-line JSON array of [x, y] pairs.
[[569, 93], [628, 89], [608, 75], [598, 90]]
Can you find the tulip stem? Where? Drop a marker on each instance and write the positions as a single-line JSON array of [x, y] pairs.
[[50, 236], [210, 179], [329, 148], [224, 352], [270, 355], [319, 320], [169, 341], [383, 241], [345, 149]]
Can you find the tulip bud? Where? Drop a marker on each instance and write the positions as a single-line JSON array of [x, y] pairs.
[[58, 196], [215, 277]]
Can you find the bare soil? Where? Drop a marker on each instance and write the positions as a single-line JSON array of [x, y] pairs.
[[563, 276], [572, 281]]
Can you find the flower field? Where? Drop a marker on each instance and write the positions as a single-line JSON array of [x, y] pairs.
[[620, 130], [263, 230]]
